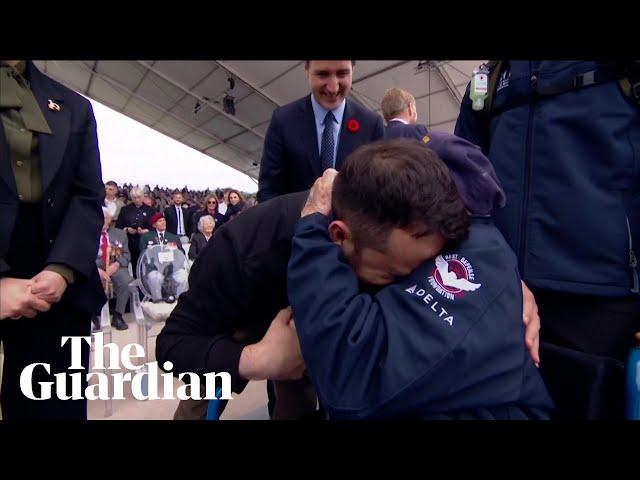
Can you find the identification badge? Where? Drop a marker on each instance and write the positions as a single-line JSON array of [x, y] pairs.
[[165, 257]]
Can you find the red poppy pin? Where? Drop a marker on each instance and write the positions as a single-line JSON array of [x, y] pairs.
[[353, 125]]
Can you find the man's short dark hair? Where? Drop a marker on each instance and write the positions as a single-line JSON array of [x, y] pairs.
[[111, 183], [307, 62], [394, 184]]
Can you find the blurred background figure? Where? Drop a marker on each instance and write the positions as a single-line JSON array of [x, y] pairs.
[[400, 113], [113, 262], [134, 220], [111, 199], [236, 204], [211, 208], [206, 226], [177, 217]]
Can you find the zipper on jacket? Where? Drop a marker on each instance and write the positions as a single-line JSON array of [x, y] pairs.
[[527, 177], [633, 262]]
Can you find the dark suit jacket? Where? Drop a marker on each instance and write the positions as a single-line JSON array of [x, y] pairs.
[[72, 189], [198, 244], [172, 219], [291, 160], [238, 283], [127, 218], [397, 129]]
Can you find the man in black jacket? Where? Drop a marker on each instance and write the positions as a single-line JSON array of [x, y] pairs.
[[230, 320], [178, 216], [134, 219]]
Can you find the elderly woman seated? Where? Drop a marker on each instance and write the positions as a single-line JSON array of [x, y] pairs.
[[206, 226]]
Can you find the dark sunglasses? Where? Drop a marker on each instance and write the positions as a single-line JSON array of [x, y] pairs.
[[211, 202]]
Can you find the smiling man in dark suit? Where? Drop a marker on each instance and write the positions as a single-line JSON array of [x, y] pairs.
[[316, 132], [51, 193]]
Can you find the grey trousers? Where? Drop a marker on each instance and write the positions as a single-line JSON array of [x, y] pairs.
[[155, 279], [121, 280]]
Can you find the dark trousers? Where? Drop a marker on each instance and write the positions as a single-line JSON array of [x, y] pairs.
[[134, 250], [38, 340], [603, 326], [586, 340]]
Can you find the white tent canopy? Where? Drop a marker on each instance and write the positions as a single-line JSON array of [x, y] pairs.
[[184, 99]]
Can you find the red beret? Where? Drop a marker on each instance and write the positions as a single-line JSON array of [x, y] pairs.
[[155, 218]]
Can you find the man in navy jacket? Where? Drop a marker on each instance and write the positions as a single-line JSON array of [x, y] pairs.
[[564, 138], [400, 113], [444, 340], [315, 132], [225, 321]]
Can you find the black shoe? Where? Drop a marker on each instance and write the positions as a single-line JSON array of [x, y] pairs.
[[118, 323], [96, 324]]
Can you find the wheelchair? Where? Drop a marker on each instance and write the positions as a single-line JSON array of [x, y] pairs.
[[163, 272]]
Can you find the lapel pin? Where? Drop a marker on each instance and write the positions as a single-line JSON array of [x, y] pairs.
[[53, 106]]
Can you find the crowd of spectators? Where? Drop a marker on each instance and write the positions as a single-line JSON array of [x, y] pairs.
[[159, 198]]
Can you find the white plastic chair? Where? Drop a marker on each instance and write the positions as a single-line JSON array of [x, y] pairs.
[[158, 266]]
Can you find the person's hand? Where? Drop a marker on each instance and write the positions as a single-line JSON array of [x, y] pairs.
[[638, 338], [104, 276], [277, 356], [132, 231], [16, 299], [48, 286], [113, 268], [142, 231], [531, 321], [319, 199]]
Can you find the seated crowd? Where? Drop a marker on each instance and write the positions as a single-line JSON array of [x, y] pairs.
[[136, 218]]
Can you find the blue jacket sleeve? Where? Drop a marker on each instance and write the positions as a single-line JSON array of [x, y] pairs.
[[472, 125], [342, 332]]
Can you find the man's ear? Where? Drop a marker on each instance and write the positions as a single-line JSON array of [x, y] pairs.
[[412, 111], [339, 232]]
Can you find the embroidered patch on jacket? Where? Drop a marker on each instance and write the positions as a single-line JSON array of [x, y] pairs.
[[453, 276]]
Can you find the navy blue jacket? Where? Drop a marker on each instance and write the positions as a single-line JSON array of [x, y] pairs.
[[397, 129], [570, 167], [291, 160], [415, 350]]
